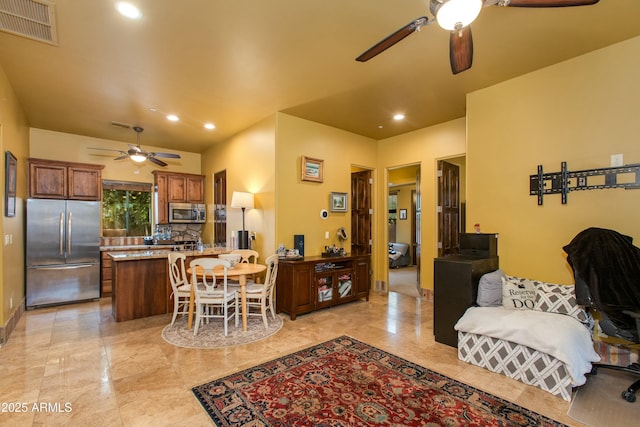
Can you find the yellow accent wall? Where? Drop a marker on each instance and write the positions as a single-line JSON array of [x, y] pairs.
[[299, 203], [425, 147], [580, 111], [249, 161], [14, 137]]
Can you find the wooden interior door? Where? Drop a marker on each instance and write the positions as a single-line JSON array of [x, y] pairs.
[[448, 208], [220, 209], [361, 212]]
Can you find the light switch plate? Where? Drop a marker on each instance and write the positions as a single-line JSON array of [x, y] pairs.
[[616, 160]]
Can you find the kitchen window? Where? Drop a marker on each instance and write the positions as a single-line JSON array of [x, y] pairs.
[[126, 208]]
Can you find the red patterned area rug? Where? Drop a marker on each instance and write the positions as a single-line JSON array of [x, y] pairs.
[[345, 382]]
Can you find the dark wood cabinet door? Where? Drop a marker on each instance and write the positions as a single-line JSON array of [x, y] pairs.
[[177, 191], [195, 189], [47, 181], [162, 214], [84, 183]]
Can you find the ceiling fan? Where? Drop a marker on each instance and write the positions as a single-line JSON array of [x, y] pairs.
[[137, 154], [456, 16]]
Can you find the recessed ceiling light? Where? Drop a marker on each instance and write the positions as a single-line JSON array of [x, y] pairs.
[[128, 10], [173, 117], [398, 116], [209, 126]]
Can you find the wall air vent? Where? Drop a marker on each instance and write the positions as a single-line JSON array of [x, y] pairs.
[[34, 19]]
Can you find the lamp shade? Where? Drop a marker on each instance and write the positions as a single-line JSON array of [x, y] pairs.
[[241, 199]]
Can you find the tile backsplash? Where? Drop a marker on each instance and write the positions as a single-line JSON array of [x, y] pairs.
[[179, 233]]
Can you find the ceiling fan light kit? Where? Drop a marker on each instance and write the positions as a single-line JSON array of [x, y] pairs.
[[456, 16], [136, 153]]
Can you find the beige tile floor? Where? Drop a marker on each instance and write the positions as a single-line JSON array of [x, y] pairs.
[[81, 368]]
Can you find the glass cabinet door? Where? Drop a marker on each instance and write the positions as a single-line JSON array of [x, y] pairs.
[[324, 286], [345, 284]]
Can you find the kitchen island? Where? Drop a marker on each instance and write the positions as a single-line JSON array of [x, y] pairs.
[[140, 282]]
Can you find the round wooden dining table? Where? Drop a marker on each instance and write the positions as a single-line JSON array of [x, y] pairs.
[[241, 271]]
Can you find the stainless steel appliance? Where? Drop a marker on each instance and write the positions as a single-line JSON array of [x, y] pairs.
[[187, 213], [63, 251]]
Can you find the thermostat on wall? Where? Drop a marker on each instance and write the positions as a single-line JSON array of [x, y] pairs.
[[324, 214]]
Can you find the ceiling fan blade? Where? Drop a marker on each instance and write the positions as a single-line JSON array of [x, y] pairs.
[[394, 38], [124, 156], [156, 161], [165, 155], [106, 149], [550, 3], [461, 50]]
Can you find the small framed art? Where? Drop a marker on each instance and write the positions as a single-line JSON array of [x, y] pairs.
[[311, 169], [339, 202], [11, 168]]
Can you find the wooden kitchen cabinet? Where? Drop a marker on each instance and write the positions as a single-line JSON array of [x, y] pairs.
[[185, 188], [313, 283], [50, 179], [175, 187], [162, 214], [106, 282]]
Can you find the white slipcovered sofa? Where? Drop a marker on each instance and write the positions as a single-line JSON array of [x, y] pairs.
[[528, 330]]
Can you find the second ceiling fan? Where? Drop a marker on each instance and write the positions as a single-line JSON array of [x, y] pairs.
[[137, 154], [456, 16]]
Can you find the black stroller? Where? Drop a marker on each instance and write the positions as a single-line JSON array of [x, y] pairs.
[[606, 268]]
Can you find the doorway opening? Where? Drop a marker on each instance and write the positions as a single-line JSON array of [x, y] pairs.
[[403, 229]]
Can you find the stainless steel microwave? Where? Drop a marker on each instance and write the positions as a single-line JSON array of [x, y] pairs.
[[182, 213]]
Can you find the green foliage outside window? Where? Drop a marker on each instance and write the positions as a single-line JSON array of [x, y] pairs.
[[126, 212]]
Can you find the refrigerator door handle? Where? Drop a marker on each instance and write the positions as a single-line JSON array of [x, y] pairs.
[[69, 234], [61, 228], [62, 267]]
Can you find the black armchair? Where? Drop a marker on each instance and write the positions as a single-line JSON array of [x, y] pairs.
[[606, 269]]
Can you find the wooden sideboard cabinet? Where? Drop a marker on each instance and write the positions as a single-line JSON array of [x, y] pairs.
[[313, 283], [50, 179]]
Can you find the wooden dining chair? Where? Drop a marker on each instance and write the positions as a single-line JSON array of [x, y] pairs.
[[260, 296], [179, 284], [214, 298]]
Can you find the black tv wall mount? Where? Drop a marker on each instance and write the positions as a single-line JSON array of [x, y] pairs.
[[627, 177]]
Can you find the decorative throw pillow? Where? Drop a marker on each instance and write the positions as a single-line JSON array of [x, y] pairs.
[[490, 289], [518, 293], [560, 299]]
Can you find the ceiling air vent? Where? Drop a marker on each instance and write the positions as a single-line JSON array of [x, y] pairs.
[[34, 19]]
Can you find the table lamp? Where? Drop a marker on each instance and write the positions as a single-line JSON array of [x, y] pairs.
[[243, 201]]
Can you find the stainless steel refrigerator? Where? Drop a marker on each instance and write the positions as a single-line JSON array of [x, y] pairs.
[[62, 251]]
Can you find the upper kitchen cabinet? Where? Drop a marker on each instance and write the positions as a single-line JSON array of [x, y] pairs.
[[185, 188], [175, 187], [51, 179]]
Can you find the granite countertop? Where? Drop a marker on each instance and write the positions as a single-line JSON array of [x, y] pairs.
[[153, 252]]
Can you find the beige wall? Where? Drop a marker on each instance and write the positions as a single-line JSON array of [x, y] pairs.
[[249, 159], [424, 146], [580, 111], [299, 202], [14, 137]]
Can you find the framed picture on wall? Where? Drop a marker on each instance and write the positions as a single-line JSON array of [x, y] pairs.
[[311, 169], [403, 214], [11, 168], [339, 202]]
